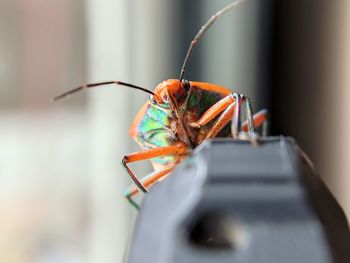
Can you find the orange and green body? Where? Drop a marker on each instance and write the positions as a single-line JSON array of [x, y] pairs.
[[179, 116], [160, 125]]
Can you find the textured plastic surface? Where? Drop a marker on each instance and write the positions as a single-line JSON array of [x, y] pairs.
[[233, 202]]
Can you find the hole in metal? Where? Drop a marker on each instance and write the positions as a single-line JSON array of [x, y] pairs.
[[217, 232]]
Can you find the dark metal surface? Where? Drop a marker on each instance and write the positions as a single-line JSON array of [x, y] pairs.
[[233, 202]]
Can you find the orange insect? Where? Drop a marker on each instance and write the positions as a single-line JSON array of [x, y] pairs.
[[179, 116]]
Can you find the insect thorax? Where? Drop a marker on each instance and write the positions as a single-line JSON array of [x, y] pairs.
[[160, 127]]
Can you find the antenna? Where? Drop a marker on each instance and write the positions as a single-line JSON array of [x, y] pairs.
[[202, 31], [91, 85]]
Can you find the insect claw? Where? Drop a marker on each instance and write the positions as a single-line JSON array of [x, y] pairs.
[[132, 202], [252, 137]]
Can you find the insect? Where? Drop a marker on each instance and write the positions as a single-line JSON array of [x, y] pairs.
[[179, 116]]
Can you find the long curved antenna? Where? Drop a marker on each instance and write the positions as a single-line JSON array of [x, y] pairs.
[[91, 85], [204, 29]]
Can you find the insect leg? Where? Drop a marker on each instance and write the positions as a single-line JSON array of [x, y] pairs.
[[234, 109], [260, 118], [146, 181], [214, 111], [251, 126], [221, 122], [236, 122], [248, 127], [149, 154]]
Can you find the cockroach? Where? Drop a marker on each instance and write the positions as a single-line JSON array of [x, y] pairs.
[[179, 116]]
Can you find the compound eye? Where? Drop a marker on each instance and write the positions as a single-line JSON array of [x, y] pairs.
[[186, 84], [152, 99]]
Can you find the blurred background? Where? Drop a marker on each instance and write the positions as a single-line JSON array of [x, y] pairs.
[[61, 181]]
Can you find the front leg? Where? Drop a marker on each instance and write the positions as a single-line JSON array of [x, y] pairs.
[[228, 108], [149, 154], [257, 120], [146, 181], [214, 111]]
